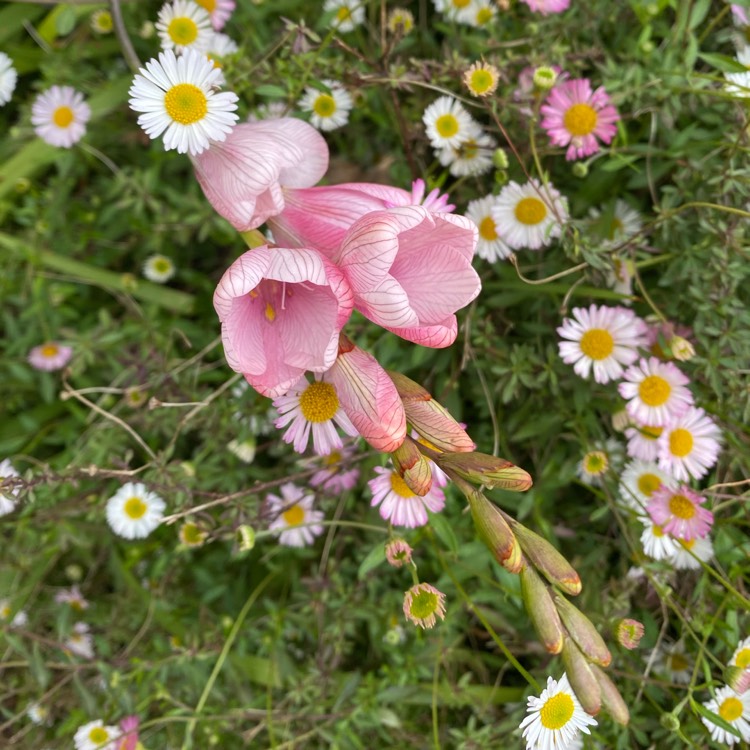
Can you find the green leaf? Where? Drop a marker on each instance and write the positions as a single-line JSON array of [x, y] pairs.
[[65, 21], [270, 90], [375, 557], [444, 531], [722, 62]]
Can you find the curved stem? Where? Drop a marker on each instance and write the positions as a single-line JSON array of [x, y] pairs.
[[122, 35]]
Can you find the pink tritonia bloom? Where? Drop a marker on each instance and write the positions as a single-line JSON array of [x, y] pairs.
[[243, 176], [602, 339], [219, 11], [434, 201], [690, 445], [49, 356], [656, 391], [410, 271], [398, 504], [643, 441], [313, 408], [680, 512], [335, 477], [368, 396], [281, 312], [575, 116], [129, 738], [547, 6]]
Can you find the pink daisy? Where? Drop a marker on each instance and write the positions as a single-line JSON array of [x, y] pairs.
[[547, 6], [656, 392], [690, 445], [296, 522], [218, 10], [576, 115], [335, 476], [603, 339], [680, 513], [643, 442], [398, 504], [50, 356]]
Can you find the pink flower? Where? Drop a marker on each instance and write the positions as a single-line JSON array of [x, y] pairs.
[[281, 312], [547, 6], [642, 442], [218, 10], [398, 553], [680, 513], [690, 445], [576, 115], [242, 176], [50, 356], [398, 504], [129, 726], [334, 477], [410, 271]]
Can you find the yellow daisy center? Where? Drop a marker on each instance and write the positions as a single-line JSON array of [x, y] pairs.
[[648, 484], [186, 103], [399, 486], [468, 149], [557, 711], [191, 533], [333, 458], [209, 5], [657, 531], [488, 229], [687, 543], [742, 659], [680, 506], [481, 80], [319, 402], [98, 735], [597, 343], [50, 350], [483, 16], [651, 433], [680, 442], [76, 605], [135, 508], [678, 663], [654, 390], [424, 604], [446, 125], [595, 462], [294, 516], [182, 31], [530, 211], [162, 266], [580, 119], [5, 612], [343, 14], [731, 709], [324, 106], [63, 117], [103, 21]]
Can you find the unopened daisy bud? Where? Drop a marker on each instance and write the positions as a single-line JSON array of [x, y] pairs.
[[147, 30], [670, 722], [546, 559], [541, 610], [191, 535], [400, 21], [74, 572], [485, 470], [500, 158], [629, 633], [580, 169], [738, 679], [583, 632], [423, 604], [621, 420], [612, 701], [245, 538], [682, 349], [582, 678], [494, 531], [544, 78], [101, 22], [398, 553], [413, 467]]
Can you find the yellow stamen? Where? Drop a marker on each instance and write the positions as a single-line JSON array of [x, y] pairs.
[[680, 442], [648, 484], [319, 402], [186, 103], [324, 105], [488, 229], [400, 487], [557, 711], [446, 125], [680, 506], [654, 390], [63, 117], [530, 211], [580, 120], [182, 31], [135, 508], [294, 516], [597, 343], [731, 709]]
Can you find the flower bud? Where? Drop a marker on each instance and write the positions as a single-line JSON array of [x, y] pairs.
[[555, 568], [580, 170], [245, 538], [413, 467], [629, 633], [670, 722], [544, 78], [612, 701], [485, 470], [398, 553], [583, 632], [738, 679], [682, 349], [541, 610], [582, 680], [493, 530], [500, 158]]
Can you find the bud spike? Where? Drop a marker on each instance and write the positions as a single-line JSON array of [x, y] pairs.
[[541, 610]]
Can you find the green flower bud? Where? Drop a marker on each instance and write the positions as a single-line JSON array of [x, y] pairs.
[[245, 538], [494, 531], [582, 679], [412, 467], [541, 610], [612, 701], [583, 632], [580, 169], [544, 78], [485, 470], [500, 158]]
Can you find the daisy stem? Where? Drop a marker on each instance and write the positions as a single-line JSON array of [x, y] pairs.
[[122, 35]]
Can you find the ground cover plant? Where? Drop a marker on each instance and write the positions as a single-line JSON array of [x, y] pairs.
[[375, 374]]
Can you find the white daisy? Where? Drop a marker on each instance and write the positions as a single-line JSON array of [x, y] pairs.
[[95, 735], [218, 10], [269, 111], [328, 110], [471, 157], [618, 225], [555, 718], [297, 523], [348, 14], [134, 512], [490, 245], [73, 598], [8, 78], [18, 620], [38, 714], [80, 642], [673, 660], [619, 277], [741, 656], [689, 445], [734, 709], [448, 124], [244, 449], [478, 13], [739, 83], [688, 550], [158, 268], [643, 441], [639, 481], [59, 116], [7, 503], [221, 46], [184, 25], [177, 95], [101, 22], [530, 215], [657, 544]]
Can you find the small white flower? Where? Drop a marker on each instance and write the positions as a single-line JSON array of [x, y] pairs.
[[80, 642], [7, 503], [38, 714], [674, 660], [269, 111], [244, 450], [477, 13], [297, 523], [448, 124], [690, 553], [643, 441], [95, 735], [741, 656], [657, 544], [8, 78], [133, 512], [101, 22], [328, 110], [734, 709], [348, 13], [490, 245], [73, 598], [158, 268], [623, 223], [19, 619], [184, 25], [639, 481], [59, 116], [471, 157], [739, 83], [221, 46]]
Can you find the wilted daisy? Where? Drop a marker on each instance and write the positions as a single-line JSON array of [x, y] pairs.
[[555, 718], [530, 215], [297, 523], [477, 13], [192, 535], [680, 512], [158, 268], [691, 552], [101, 22], [448, 124], [218, 10], [423, 604], [398, 504], [73, 598], [619, 277], [95, 735], [472, 157], [596, 463], [481, 79], [490, 245], [674, 660], [313, 407], [741, 656], [8, 78], [639, 481], [657, 544], [50, 356], [243, 449], [398, 553], [735, 710], [38, 714], [184, 25], [177, 95], [80, 642], [547, 6], [7, 495], [328, 110], [59, 116], [643, 441], [689, 445], [347, 14], [656, 392], [335, 477], [133, 512], [617, 224], [17, 620]]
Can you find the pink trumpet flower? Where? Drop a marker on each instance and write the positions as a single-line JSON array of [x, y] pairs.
[[410, 271], [281, 311], [243, 176], [368, 397]]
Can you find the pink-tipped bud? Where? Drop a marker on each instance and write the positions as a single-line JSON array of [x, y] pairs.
[[583, 632], [398, 553], [738, 679], [486, 471], [494, 531], [581, 677], [430, 419], [629, 633], [541, 610], [546, 559], [612, 701], [413, 467]]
